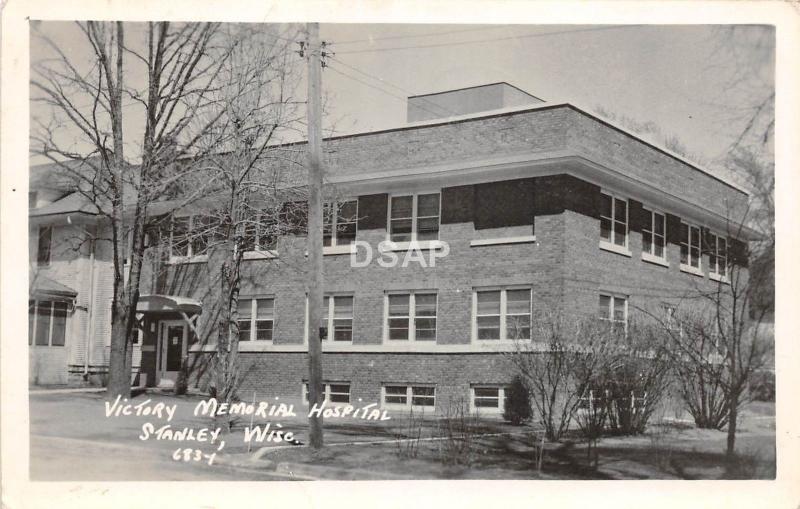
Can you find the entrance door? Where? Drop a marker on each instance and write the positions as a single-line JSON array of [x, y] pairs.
[[171, 351]]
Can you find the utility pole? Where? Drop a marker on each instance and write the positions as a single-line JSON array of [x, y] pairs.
[[314, 238]]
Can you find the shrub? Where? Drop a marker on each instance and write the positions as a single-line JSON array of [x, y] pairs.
[[517, 407]]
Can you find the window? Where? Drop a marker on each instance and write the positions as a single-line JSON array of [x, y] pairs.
[[337, 315], [45, 244], [414, 217], [338, 392], [260, 233], [340, 223], [488, 398], [411, 316], [654, 234], [614, 309], [614, 220], [717, 255], [256, 319], [192, 235], [502, 314], [690, 246], [32, 196], [47, 322], [408, 396]]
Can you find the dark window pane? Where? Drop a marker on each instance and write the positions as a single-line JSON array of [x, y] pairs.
[[620, 210], [343, 329], [620, 231], [647, 242], [45, 244], [402, 207], [401, 230], [245, 308], [425, 304], [59, 324], [604, 309], [605, 205], [399, 305], [518, 302], [264, 330], [425, 329], [244, 330], [605, 228], [658, 225], [428, 205], [489, 303], [396, 394], [43, 323], [428, 228], [488, 327]]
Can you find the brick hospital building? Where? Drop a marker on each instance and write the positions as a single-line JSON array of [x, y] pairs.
[[540, 205]]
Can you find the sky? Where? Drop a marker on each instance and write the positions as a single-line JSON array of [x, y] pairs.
[[693, 81]]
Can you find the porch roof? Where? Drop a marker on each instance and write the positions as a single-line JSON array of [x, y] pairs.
[[44, 287], [161, 303]]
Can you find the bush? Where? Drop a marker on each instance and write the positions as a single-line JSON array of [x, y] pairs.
[[762, 386], [517, 408]]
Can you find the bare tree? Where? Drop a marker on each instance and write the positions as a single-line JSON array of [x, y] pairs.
[[563, 357], [167, 72], [719, 344], [254, 178]]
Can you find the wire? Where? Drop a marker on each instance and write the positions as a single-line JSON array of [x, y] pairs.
[[434, 34], [397, 87], [510, 38], [400, 98]]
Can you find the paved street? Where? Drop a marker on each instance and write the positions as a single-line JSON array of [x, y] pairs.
[[68, 459]]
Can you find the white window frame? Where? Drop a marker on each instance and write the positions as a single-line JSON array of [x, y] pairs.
[[713, 254], [688, 267], [336, 205], [329, 323], [49, 322], [650, 255], [189, 256], [327, 398], [501, 395], [258, 250], [610, 245], [412, 316], [610, 318], [503, 312], [409, 397], [253, 318], [415, 197]]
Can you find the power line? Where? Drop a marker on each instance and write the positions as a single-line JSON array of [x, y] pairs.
[[399, 98], [434, 34], [510, 38], [385, 82]]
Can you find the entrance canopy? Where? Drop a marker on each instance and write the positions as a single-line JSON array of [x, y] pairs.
[[167, 303]]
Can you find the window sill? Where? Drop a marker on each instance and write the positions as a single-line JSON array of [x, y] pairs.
[[180, 260], [388, 245], [260, 255], [697, 271], [255, 346], [339, 250], [608, 246], [503, 240], [719, 278], [647, 257]]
